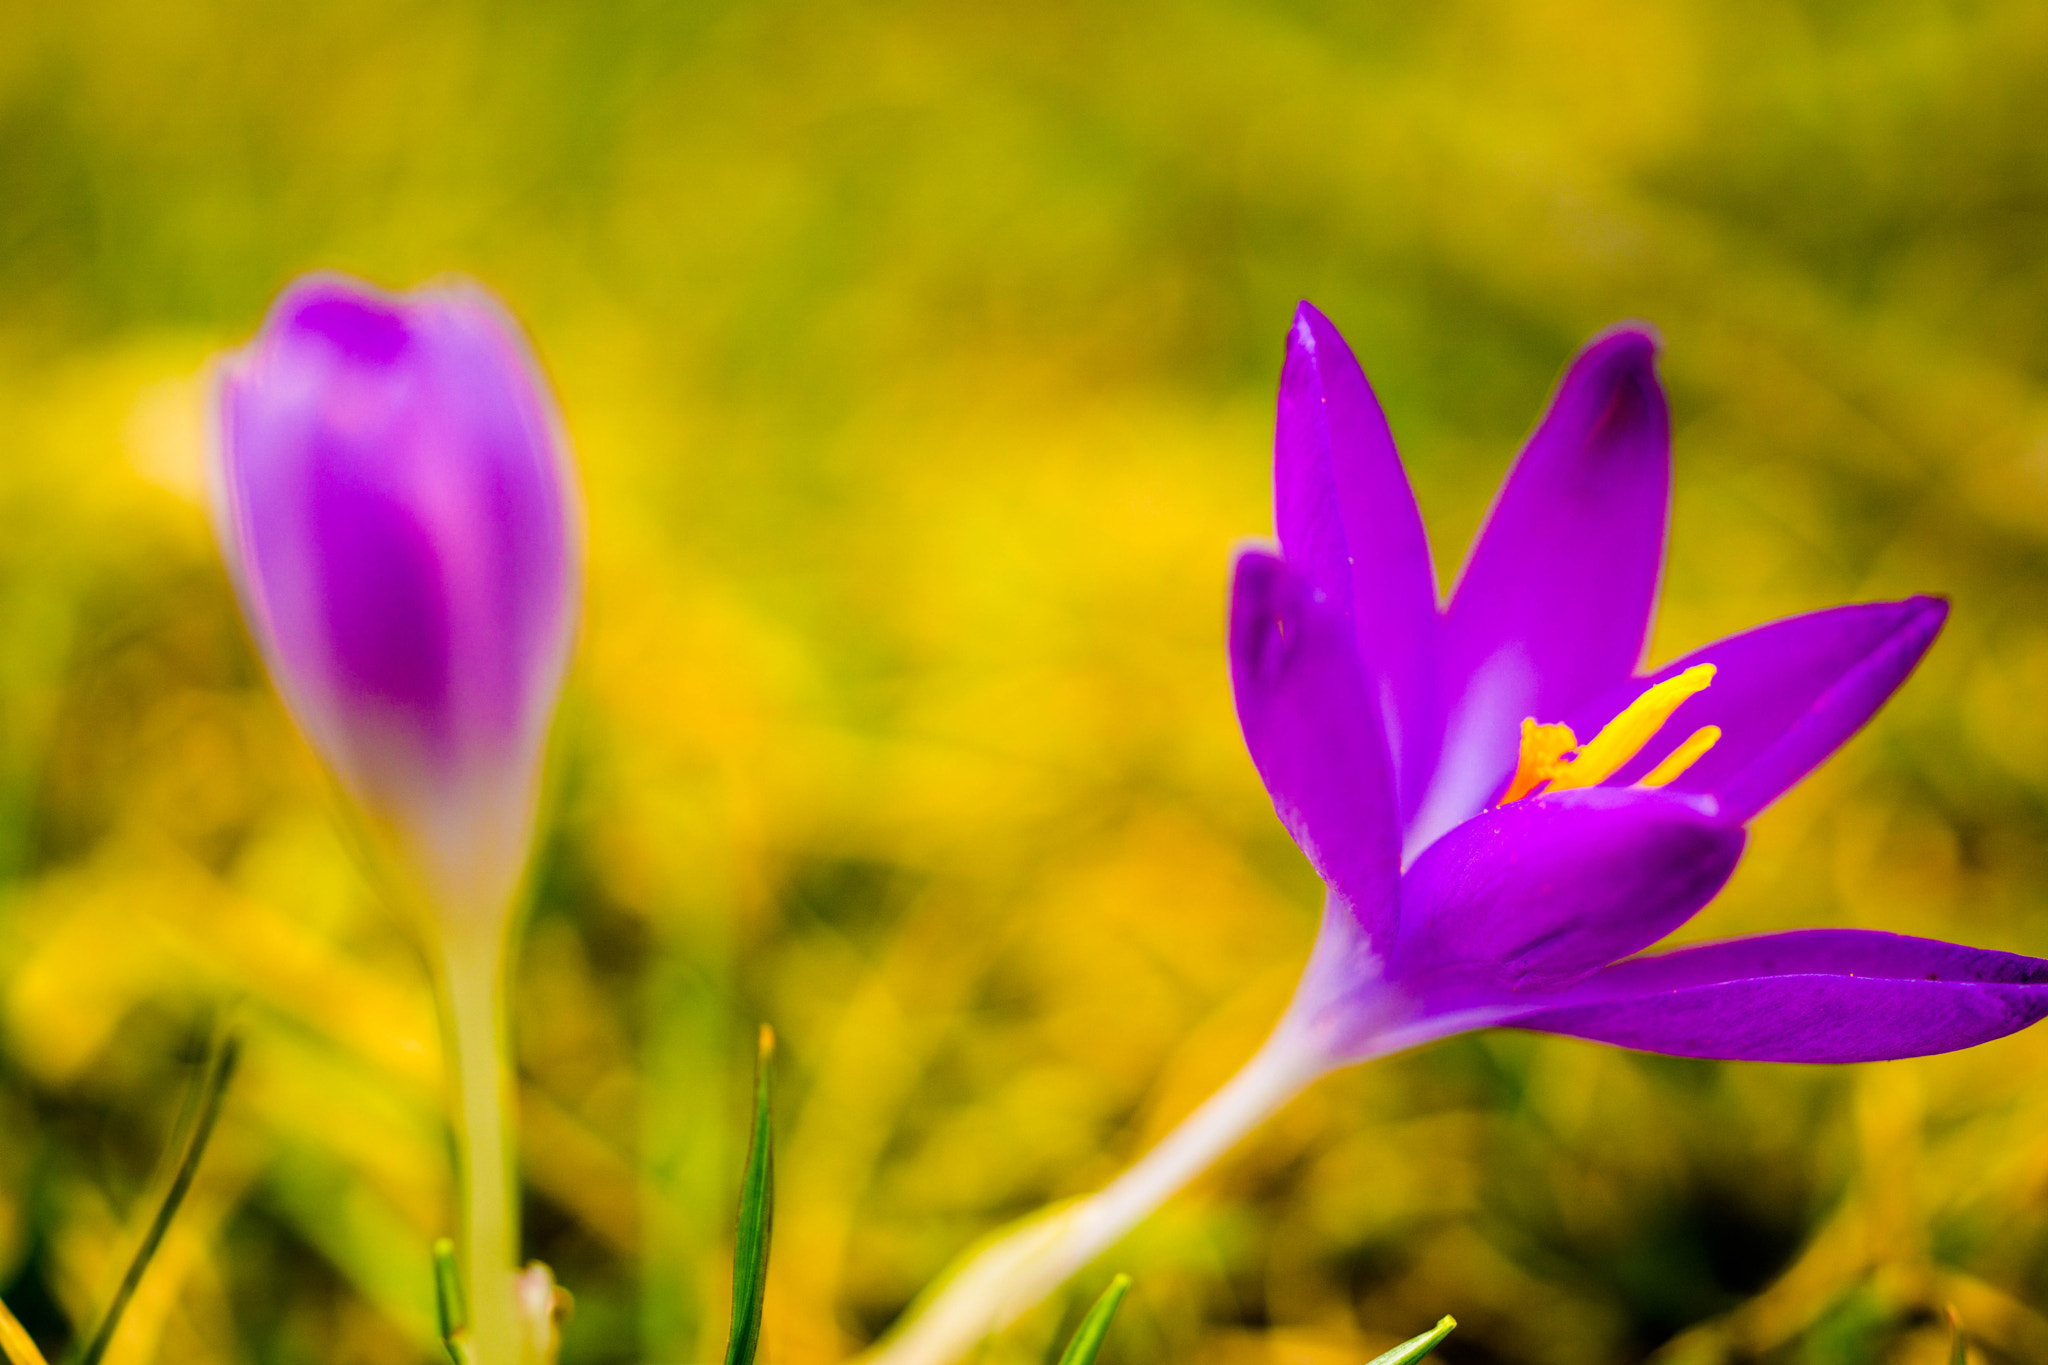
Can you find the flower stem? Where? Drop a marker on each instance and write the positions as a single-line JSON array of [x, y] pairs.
[[1023, 1265], [490, 1222]]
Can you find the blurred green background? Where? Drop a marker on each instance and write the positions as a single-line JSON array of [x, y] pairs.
[[920, 362]]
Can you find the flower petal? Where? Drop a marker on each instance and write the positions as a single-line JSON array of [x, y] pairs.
[[1812, 995], [1554, 604], [1537, 894], [1347, 517], [1312, 736], [1785, 695]]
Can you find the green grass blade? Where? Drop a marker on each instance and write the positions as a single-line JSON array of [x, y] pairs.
[[1958, 1344], [449, 1307], [1415, 1348], [16, 1345], [757, 1218], [213, 1091], [1087, 1341]]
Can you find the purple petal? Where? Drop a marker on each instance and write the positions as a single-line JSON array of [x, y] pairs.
[[1786, 695], [1536, 894], [1347, 518], [1312, 734], [1812, 995], [1554, 604], [386, 623], [396, 504]]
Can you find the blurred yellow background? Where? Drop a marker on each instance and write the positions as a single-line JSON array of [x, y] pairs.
[[920, 362]]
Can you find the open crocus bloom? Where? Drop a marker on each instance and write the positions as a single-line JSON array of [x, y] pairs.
[[1503, 811]]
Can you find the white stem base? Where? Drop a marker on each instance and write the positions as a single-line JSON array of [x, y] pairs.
[[1022, 1266]]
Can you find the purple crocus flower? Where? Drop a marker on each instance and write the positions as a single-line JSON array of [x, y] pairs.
[[398, 510], [1503, 810]]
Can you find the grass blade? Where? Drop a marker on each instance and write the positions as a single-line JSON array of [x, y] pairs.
[[1087, 1340], [15, 1343], [213, 1091], [449, 1309], [757, 1218], [1415, 1348], [1958, 1344]]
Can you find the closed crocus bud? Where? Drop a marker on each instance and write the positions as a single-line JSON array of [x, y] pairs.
[[397, 507]]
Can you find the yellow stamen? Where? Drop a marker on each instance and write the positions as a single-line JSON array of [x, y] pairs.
[[1684, 756], [1622, 738], [1543, 751], [1552, 754]]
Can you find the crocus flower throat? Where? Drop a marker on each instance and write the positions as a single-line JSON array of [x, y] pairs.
[[1553, 759]]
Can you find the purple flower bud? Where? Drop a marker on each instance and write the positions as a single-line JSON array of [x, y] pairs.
[[395, 499]]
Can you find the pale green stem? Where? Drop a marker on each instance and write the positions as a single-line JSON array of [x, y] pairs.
[[473, 961], [1022, 1266]]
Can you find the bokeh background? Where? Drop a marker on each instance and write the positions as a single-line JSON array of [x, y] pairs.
[[920, 362]]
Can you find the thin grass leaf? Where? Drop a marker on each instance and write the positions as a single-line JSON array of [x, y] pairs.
[[1415, 1348], [450, 1310], [1087, 1340], [757, 1217], [15, 1343], [1958, 1344], [214, 1090]]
